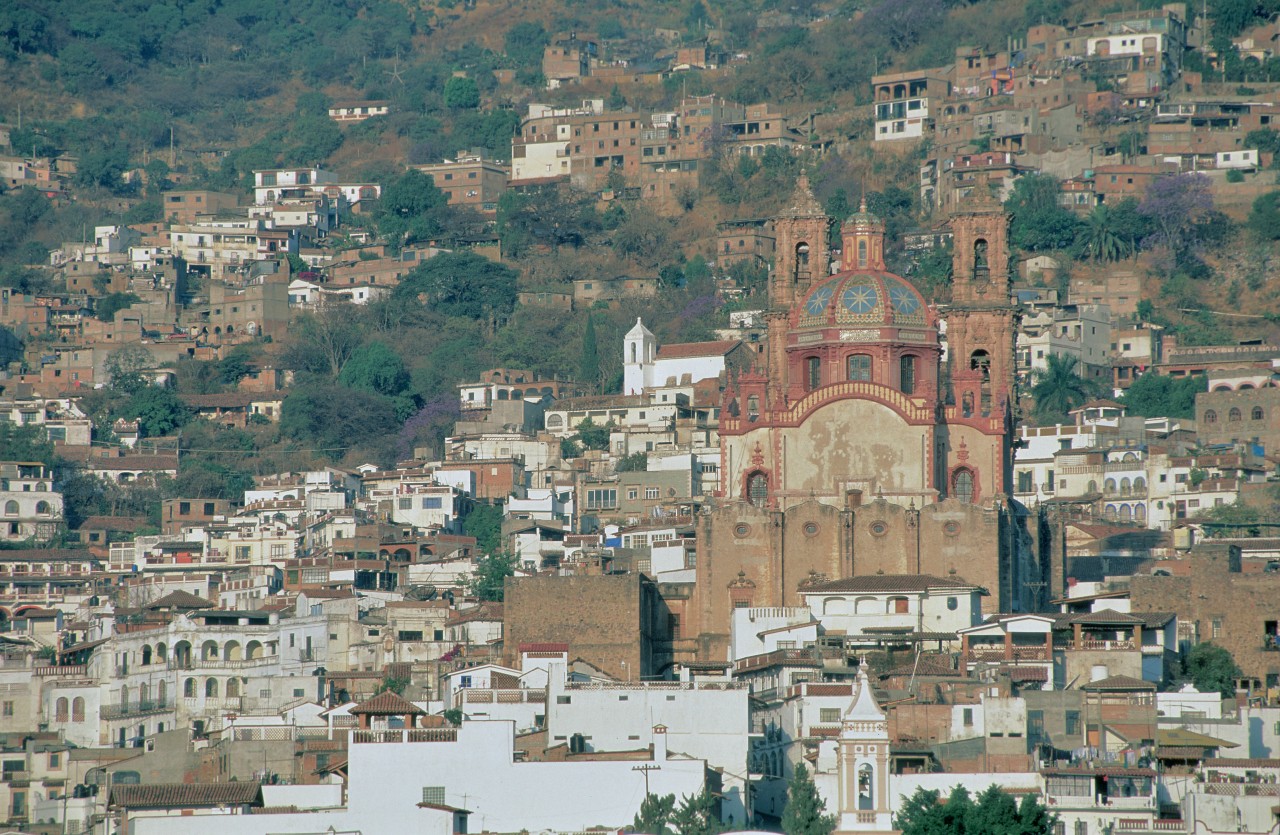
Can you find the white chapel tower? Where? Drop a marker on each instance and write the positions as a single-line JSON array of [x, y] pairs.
[[863, 765], [641, 351]]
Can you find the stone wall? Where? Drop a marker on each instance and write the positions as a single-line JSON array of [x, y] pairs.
[[1218, 603], [617, 622]]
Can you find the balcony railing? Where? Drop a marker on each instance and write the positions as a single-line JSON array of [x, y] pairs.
[[1094, 644], [138, 708], [407, 735]]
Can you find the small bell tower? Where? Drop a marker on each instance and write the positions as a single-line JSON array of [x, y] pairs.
[[863, 764]]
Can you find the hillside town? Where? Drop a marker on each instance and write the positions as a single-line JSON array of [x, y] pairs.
[[930, 506]]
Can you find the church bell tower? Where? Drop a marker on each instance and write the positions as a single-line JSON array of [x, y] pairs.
[[803, 252]]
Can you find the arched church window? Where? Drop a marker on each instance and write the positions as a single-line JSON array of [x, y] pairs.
[[633, 352], [758, 489], [962, 485], [981, 361], [907, 374], [862, 254], [813, 372], [860, 367], [802, 261]]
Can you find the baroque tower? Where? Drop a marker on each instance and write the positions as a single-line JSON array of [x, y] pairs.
[[981, 327]]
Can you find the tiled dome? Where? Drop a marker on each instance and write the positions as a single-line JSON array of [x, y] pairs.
[[859, 297]]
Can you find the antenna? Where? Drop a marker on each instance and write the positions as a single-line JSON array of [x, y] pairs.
[[394, 72]]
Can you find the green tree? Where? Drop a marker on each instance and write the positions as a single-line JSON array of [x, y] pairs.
[[374, 367], [1211, 668], [411, 209], [395, 684], [806, 811], [633, 463], [1098, 240], [1059, 388], [1264, 215], [461, 93], [453, 716], [1040, 223], [462, 284], [1266, 140], [125, 367], [1230, 516], [332, 419], [593, 436], [569, 448], [589, 363], [697, 815], [654, 815], [26, 442], [108, 306], [484, 522], [492, 570], [524, 43], [159, 410], [993, 812], [1157, 395]]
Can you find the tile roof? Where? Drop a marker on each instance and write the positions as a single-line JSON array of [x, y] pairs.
[[388, 703], [186, 795], [179, 600], [889, 583], [1119, 683], [682, 350], [1027, 673], [1106, 616], [1252, 762]]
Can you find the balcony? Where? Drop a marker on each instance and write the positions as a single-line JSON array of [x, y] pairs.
[[1099, 645], [198, 704], [139, 708], [406, 735]]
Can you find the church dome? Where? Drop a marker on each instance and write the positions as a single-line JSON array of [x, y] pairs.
[[873, 298]]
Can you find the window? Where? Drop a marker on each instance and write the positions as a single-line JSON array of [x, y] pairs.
[[899, 605], [1210, 416], [406, 504], [432, 503], [813, 372], [968, 717], [860, 367], [962, 485], [1217, 628], [6, 709], [829, 715], [1233, 416], [1072, 722], [907, 374], [758, 489], [652, 492], [1257, 413], [953, 603], [563, 700]]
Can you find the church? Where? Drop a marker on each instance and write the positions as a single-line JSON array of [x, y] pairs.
[[875, 433]]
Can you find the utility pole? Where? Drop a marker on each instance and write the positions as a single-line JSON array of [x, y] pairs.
[[645, 769]]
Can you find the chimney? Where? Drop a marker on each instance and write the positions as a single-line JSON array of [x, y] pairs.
[[659, 743]]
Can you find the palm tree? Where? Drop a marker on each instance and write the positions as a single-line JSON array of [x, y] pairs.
[[1059, 388], [1099, 240]]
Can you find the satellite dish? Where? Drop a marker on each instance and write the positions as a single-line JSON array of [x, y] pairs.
[[423, 592]]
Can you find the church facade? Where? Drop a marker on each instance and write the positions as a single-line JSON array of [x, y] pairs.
[[853, 448]]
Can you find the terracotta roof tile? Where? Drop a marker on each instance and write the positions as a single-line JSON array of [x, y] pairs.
[[186, 795], [682, 350], [179, 600], [387, 703]]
